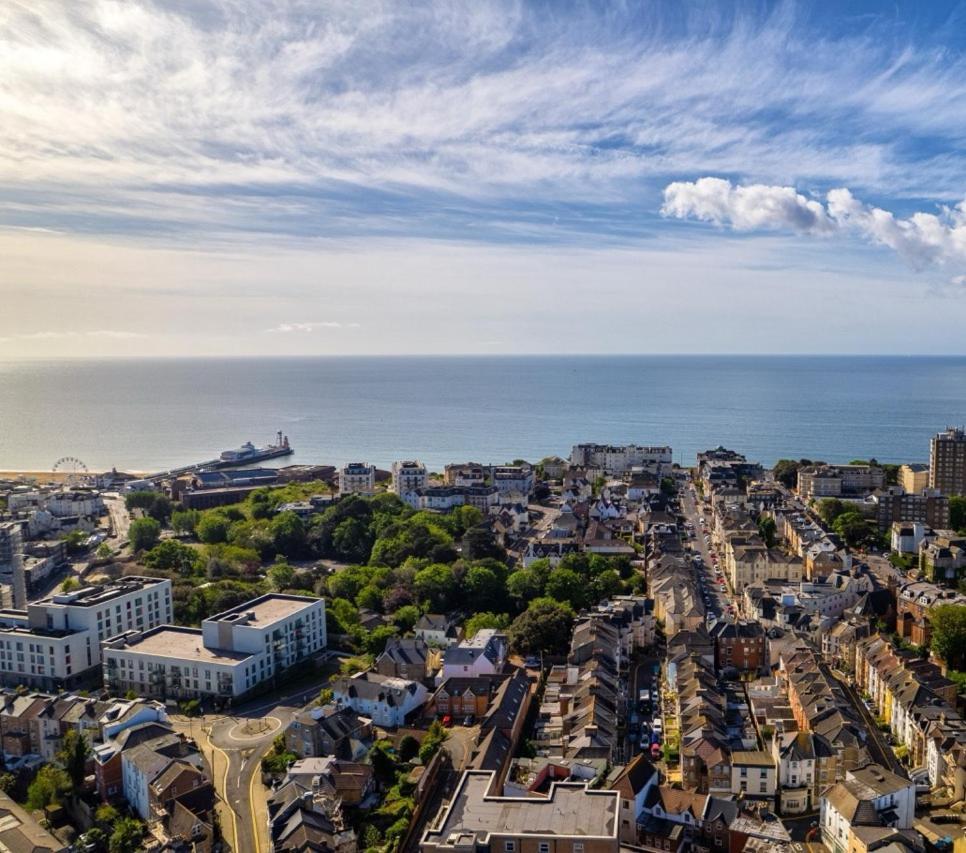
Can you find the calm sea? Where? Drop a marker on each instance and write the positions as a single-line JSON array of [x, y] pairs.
[[154, 414]]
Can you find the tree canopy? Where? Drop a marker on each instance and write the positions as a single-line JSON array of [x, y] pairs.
[[949, 634], [144, 533], [543, 627]]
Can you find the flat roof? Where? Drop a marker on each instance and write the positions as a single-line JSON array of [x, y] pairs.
[[266, 610], [91, 596], [178, 643], [570, 810]]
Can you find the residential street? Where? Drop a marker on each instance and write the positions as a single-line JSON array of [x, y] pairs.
[[234, 746]]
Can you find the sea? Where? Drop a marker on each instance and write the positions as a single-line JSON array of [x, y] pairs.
[[150, 415]]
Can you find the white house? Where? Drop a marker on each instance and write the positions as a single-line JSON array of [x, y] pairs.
[[385, 700], [484, 654], [870, 796], [438, 630]]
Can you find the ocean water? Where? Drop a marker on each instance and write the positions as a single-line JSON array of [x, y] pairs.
[[153, 414]]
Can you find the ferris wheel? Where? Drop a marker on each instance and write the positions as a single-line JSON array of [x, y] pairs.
[[73, 467]]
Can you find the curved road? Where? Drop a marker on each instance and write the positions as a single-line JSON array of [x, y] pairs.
[[234, 746]]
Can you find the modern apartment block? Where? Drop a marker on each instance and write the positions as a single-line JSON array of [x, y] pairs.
[[947, 461], [894, 504], [408, 476], [55, 641], [357, 478], [229, 655]]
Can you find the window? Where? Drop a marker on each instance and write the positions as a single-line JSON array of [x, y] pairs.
[[578, 847], [510, 846], [543, 847]]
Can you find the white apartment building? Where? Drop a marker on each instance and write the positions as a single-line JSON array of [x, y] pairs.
[[513, 478], [408, 476], [230, 654], [57, 639], [619, 459], [357, 478]]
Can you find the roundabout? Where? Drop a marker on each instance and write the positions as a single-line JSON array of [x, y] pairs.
[[254, 729]]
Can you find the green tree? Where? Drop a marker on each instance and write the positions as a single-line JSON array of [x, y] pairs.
[[74, 755], [185, 520], [160, 509], [543, 627], [7, 782], [484, 588], [607, 584], [479, 543], [212, 528], [106, 815], [405, 618], [353, 540], [142, 500], [566, 586], [288, 534], [949, 634], [127, 835], [830, 509], [172, 555], [50, 787], [668, 488], [957, 513], [852, 527], [69, 584], [786, 472], [767, 528], [281, 576], [374, 642], [408, 748], [144, 533], [525, 585], [478, 621], [434, 738], [436, 585]]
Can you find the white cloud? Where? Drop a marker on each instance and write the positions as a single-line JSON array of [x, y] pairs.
[[922, 239], [745, 208], [146, 112], [288, 328], [60, 335]]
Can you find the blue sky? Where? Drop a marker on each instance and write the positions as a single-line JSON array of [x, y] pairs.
[[481, 177]]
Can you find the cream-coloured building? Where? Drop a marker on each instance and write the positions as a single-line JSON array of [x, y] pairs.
[[357, 478], [914, 477]]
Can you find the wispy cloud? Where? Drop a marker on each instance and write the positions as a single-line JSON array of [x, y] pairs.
[[288, 328], [451, 119], [60, 335], [922, 239]]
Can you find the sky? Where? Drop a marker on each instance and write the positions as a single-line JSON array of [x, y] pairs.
[[253, 177]]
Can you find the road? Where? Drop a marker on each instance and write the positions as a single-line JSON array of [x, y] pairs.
[[234, 746], [717, 594], [880, 749], [120, 518]]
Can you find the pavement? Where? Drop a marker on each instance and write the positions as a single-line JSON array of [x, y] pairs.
[[234, 745], [876, 742]]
